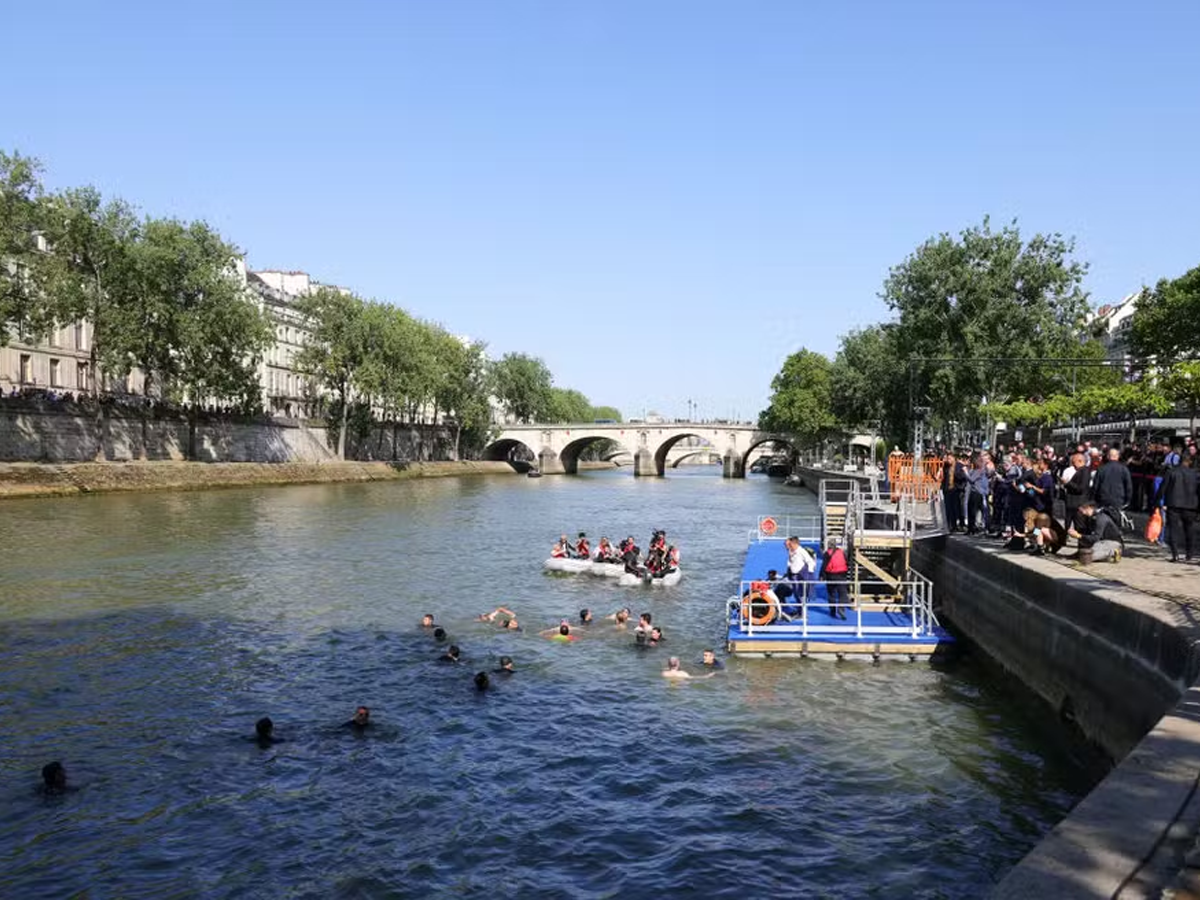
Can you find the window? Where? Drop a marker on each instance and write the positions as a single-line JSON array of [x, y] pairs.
[[55, 370], [81, 373], [26, 369], [55, 337], [79, 336]]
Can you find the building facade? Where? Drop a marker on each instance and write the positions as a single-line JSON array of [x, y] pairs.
[[286, 391], [58, 363]]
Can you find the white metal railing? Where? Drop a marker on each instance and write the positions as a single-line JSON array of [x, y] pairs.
[[778, 528], [912, 597]]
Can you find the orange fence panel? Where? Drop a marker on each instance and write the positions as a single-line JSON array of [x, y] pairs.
[[905, 477]]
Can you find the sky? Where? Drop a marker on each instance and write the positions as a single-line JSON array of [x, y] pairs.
[[662, 199]]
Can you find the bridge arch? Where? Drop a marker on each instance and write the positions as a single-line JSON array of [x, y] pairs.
[[760, 440], [702, 451], [516, 453], [661, 451], [569, 454]]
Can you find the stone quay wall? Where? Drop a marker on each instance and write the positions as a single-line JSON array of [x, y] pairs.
[[62, 432]]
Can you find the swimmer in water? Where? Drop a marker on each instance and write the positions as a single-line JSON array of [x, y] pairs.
[[585, 617], [264, 732], [643, 625], [439, 634], [674, 671], [54, 778], [362, 718], [506, 666], [562, 633], [620, 618], [710, 661], [427, 621], [508, 618], [451, 655], [482, 682], [655, 638]]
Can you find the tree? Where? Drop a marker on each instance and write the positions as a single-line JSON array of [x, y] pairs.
[[867, 383], [23, 298], [464, 388], [523, 385], [1166, 321], [606, 412], [568, 406], [1181, 384], [91, 269], [338, 350], [800, 398], [986, 294]]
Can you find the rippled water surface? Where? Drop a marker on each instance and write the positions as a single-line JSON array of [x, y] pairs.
[[142, 636]]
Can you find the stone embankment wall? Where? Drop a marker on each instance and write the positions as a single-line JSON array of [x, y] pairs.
[[42, 480], [68, 432]]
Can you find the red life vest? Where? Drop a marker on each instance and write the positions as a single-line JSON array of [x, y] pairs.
[[837, 562], [674, 557], [759, 587]]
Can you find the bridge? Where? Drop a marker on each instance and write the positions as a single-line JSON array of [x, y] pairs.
[[557, 447]]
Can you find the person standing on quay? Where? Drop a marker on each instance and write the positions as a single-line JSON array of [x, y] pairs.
[[1112, 485], [954, 474], [1180, 493]]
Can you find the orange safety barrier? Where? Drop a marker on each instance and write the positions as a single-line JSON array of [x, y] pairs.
[[921, 482]]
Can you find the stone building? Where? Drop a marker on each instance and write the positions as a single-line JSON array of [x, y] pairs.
[[59, 363], [286, 391]]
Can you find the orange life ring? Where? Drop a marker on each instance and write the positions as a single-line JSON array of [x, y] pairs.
[[759, 598], [768, 526]]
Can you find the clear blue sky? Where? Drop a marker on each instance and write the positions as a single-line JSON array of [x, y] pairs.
[[661, 199]]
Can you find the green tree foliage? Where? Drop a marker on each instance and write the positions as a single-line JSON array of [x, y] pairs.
[[338, 352], [568, 406], [464, 387], [22, 265], [92, 272], [523, 384], [1181, 384], [868, 383], [607, 412], [800, 398], [985, 294], [1166, 322]]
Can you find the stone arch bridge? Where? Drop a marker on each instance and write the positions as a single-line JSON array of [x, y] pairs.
[[557, 447]]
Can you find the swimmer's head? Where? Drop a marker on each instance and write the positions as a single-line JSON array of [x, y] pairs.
[[264, 727], [427, 620], [452, 651], [54, 776], [564, 629], [585, 616], [709, 657], [482, 682], [673, 663], [644, 618], [506, 663], [510, 623], [362, 716], [439, 634], [622, 615], [656, 633]]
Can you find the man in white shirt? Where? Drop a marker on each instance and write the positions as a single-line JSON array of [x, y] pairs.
[[801, 565]]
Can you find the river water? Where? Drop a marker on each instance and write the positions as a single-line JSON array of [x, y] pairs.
[[143, 635]]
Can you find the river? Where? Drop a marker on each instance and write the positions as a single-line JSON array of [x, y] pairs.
[[143, 635]]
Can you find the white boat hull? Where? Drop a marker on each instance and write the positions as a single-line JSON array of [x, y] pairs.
[[571, 566]]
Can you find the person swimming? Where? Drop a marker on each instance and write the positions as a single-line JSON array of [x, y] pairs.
[[673, 670], [451, 655], [561, 633], [362, 719], [482, 682], [643, 625], [506, 666], [585, 617], [427, 621], [508, 618], [264, 732], [709, 660], [439, 634], [655, 637], [621, 617], [54, 778]]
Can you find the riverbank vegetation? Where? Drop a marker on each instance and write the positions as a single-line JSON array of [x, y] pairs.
[[168, 299], [989, 326]]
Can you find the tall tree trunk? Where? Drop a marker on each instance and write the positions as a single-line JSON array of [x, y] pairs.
[[457, 440], [191, 449], [341, 451]]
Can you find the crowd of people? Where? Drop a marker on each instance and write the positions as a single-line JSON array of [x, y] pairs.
[[1038, 499], [661, 558]]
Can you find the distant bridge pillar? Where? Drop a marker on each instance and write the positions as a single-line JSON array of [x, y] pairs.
[[733, 465], [643, 463], [549, 463]]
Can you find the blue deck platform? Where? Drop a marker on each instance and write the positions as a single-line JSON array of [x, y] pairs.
[[874, 631]]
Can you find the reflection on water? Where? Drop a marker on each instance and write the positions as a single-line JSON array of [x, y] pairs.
[[144, 635]]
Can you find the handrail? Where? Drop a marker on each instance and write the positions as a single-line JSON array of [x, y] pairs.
[[915, 597], [807, 528]]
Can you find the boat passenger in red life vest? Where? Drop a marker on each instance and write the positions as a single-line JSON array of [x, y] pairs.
[[605, 552], [562, 550], [583, 550], [834, 569], [672, 559]]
